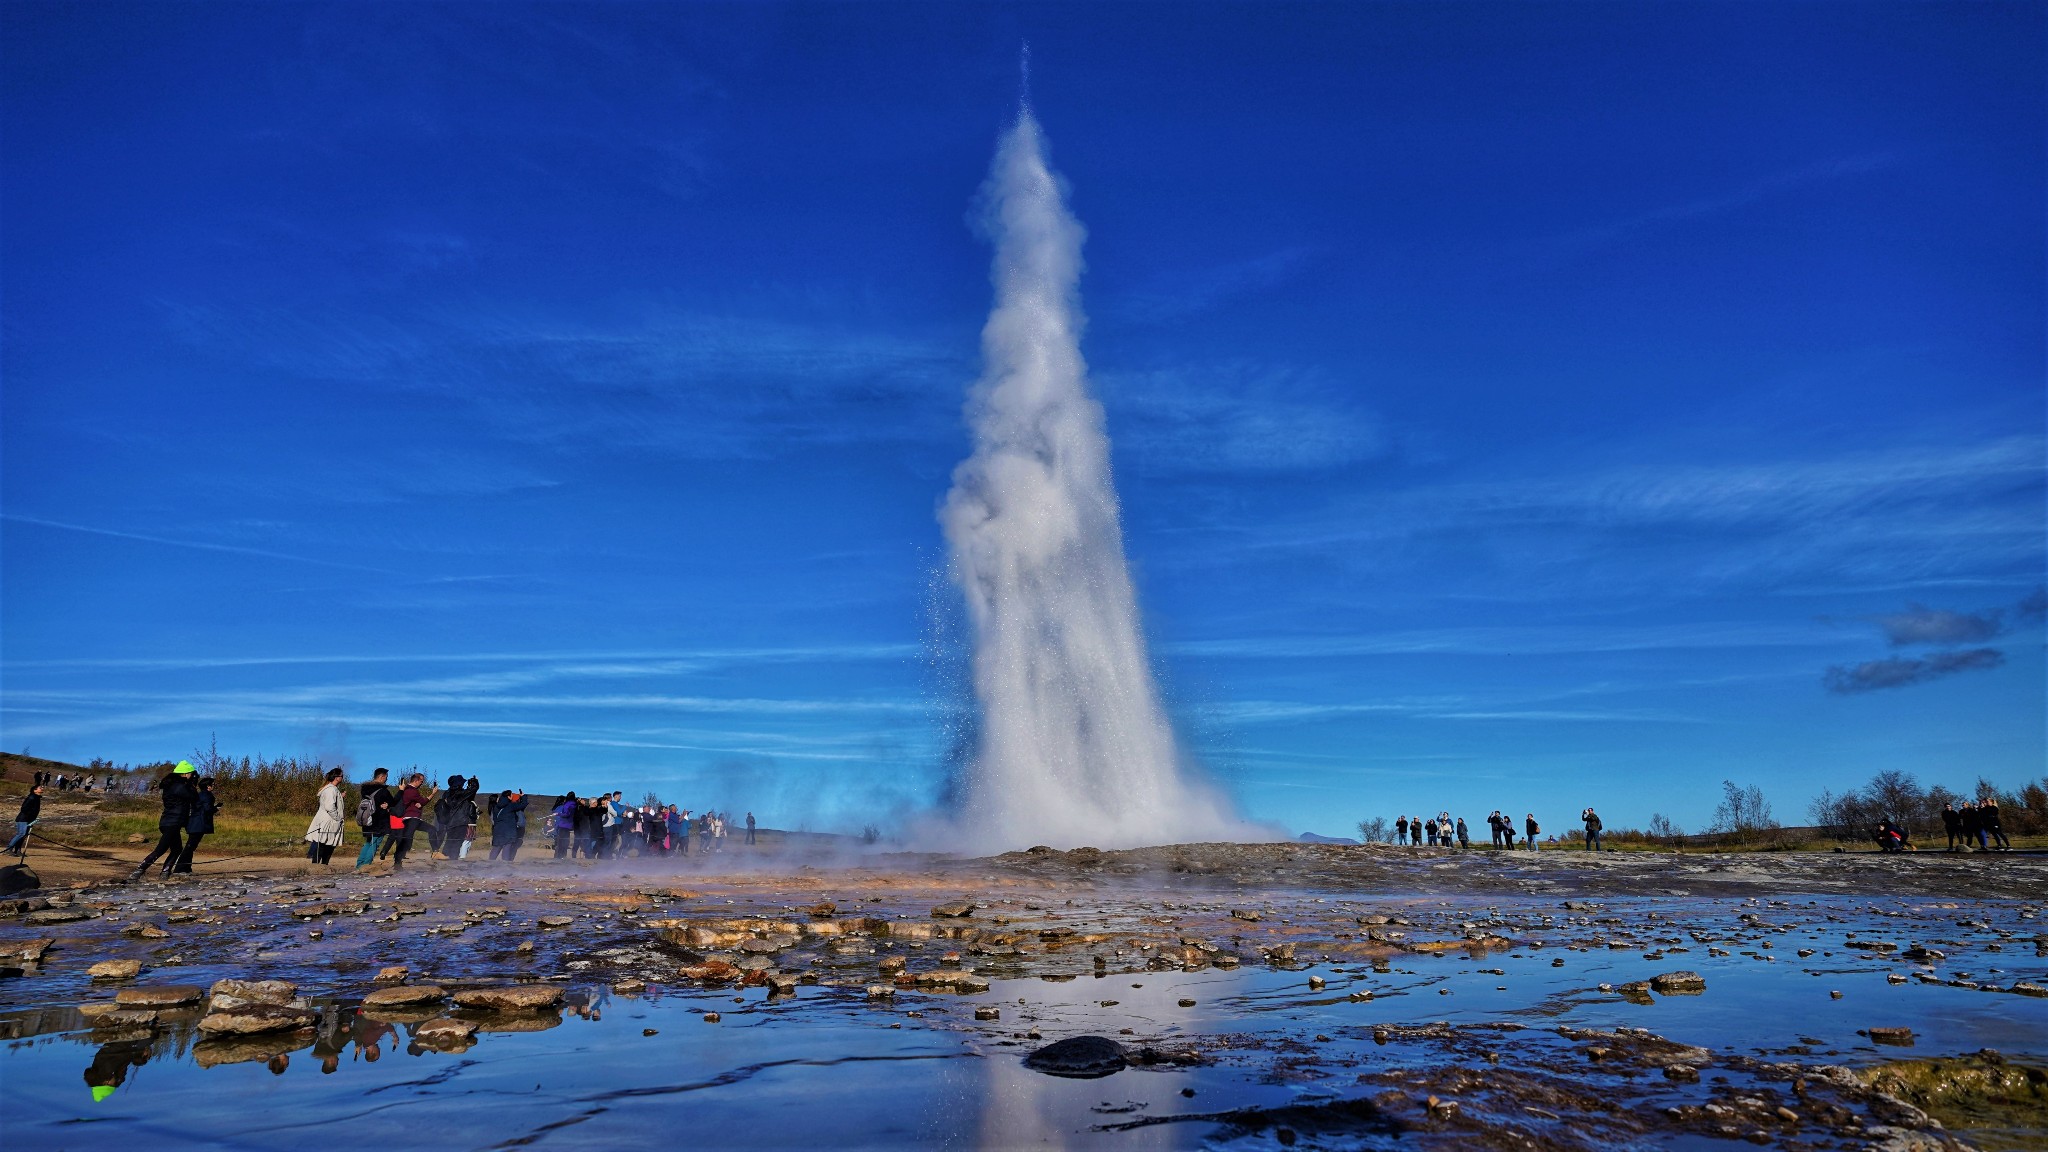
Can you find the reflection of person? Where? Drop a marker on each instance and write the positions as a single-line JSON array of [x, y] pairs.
[[110, 1065], [368, 1035]]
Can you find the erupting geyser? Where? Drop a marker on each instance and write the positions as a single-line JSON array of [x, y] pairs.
[[1074, 743]]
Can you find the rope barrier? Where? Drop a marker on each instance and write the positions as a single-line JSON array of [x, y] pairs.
[[104, 855]]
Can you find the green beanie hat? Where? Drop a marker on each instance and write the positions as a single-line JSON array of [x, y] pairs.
[[184, 768], [101, 1092]]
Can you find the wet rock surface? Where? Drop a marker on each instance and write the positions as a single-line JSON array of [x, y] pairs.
[[1081, 1057], [1443, 1000]]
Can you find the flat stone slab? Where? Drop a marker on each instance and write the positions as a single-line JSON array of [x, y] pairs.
[[56, 916], [253, 1019], [511, 998], [445, 1032], [231, 993], [114, 970], [25, 952], [160, 996], [404, 995]]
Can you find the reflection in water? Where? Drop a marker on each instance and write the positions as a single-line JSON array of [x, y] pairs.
[[344, 1033], [1282, 1053], [1021, 1108], [110, 1065]]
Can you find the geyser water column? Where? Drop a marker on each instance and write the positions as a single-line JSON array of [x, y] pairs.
[[1074, 743]]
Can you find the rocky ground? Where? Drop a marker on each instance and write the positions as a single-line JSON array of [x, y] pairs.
[[256, 967]]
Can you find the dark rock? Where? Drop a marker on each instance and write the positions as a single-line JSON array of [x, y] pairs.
[[1079, 1057], [956, 908], [18, 878], [1902, 1037], [1671, 983]]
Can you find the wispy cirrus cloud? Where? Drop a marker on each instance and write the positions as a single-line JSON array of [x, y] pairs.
[[1200, 290], [184, 542], [1524, 640], [1238, 418], [1721, 203], [1911, 513], [695, 384]]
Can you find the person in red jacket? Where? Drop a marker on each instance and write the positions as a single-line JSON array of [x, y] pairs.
[[406, 818]]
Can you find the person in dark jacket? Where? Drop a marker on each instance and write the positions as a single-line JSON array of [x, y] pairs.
[[179, 798], [31, 811], [1973, 827], [1994, 827], [198, 826], [373, 815], [1530, 830], [453, 814], [1593, 827], [1952, 823], [507, 809], [589, 827], [1464, 834]]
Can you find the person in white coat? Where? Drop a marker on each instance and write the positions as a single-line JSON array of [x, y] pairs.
[[323, 835]]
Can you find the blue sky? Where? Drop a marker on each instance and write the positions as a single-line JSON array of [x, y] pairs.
[[1513, 406]]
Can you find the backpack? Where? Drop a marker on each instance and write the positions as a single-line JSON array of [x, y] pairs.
[[366, 811]]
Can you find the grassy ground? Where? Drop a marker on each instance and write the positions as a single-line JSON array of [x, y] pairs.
[[98, 822]]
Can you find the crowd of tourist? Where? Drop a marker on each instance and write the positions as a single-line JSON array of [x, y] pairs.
[[109, 783], [392, 817], [1976, 826], [1444, 831]]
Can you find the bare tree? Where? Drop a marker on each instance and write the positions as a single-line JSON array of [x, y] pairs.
[[1373, 831], [1743, 813], [1661, 827]]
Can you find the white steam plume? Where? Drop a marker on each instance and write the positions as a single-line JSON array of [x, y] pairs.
[[1074, 743]]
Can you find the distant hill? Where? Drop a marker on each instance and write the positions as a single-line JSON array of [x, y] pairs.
[[1312, 838]]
